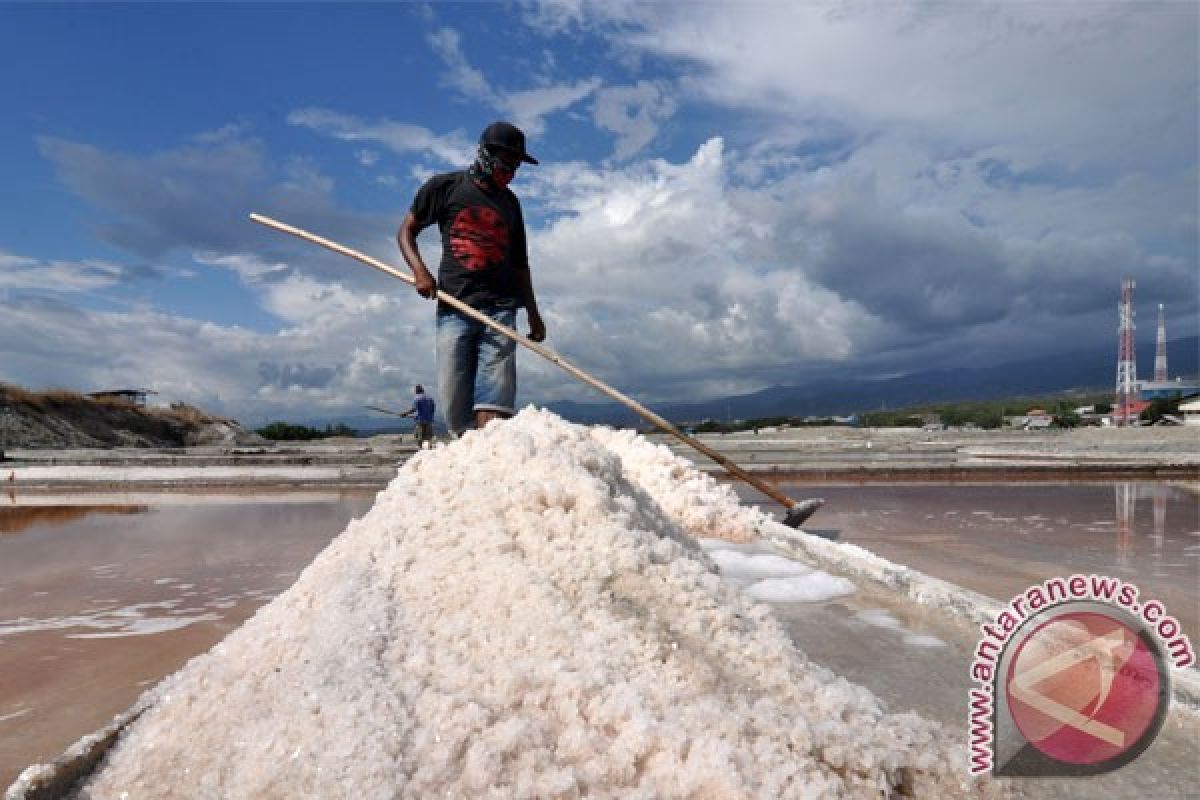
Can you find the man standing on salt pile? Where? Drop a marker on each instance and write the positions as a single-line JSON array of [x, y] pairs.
[[484, 264], [422, 409]]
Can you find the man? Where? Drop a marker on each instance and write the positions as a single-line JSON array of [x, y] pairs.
[[484, 264], [422, 408]]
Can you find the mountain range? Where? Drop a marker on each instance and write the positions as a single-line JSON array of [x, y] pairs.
[[1091, 369]]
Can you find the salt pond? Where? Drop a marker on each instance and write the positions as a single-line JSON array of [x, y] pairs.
[[209, 567], [999, 539], [103, 595], [525, 614]]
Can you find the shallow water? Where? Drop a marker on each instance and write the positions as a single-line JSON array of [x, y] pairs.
[[101, 599], [999, 539]]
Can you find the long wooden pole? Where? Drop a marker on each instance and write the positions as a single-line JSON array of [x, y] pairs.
[[795, 509], [386, 411]]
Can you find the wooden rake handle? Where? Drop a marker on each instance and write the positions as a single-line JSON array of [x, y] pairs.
[[548, 354]]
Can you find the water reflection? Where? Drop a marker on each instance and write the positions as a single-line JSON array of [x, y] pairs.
[[114, 590], [1163, 558], [1126, 499], [17, 519], [999, 539], [139, 567]]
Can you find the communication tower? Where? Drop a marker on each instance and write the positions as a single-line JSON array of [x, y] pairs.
[[1160, 350], [1126, 362]]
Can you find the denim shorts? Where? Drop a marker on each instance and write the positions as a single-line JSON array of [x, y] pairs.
[[477, 366]]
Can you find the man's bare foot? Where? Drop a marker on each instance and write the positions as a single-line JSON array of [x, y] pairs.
[[482, 418]]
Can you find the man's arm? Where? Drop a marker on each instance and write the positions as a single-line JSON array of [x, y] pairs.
[[537, 328], [407, 239]]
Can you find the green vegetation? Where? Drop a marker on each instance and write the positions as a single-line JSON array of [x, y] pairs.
[[712, 426], [1161, 407], [987, 414], [891, 419], [284, 432]]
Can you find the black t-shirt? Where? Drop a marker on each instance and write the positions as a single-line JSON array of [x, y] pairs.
[[483, 239]]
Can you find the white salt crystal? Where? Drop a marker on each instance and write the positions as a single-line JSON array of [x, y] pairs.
[[923, 640], [813, 588], [525, 613], [880, 618], [735, 564]]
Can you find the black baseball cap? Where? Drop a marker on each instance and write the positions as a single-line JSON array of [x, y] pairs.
[[507, 136]]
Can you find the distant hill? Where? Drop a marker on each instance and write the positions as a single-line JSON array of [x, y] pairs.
[[63, 419], [1092, 369], [1084, 369]]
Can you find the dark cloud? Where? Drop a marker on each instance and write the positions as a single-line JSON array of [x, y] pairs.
[[922, 274], [935, 274], [192, 197], [198, 198]]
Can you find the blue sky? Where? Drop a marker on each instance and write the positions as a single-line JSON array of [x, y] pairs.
[[731, 196]]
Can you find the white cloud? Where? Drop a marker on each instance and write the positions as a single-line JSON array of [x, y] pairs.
[[300, 299], [398, 137], [673, 277], [21, 272], [883, 186], [341, 351], [447, 43], [250, 268], [526, 108], [1070, 82], [552, 17], [650, 278], [633, 113], [671, 281]]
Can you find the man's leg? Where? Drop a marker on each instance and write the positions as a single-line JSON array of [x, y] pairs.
[[456, 360], [496, 378]]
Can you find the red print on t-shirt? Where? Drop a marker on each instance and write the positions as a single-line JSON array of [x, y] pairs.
[[478, 238]]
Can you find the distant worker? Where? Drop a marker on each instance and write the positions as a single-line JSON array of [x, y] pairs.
[[422, 409], [484, 264]]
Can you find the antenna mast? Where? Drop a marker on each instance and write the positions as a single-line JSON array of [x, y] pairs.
[[1126, 362], [1160, 351]]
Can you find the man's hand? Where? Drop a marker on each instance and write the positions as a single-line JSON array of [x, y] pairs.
[[424, 283], [406, 237], [537, 328]]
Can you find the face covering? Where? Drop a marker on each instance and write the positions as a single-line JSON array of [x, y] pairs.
[[490, 168], [502, 176]]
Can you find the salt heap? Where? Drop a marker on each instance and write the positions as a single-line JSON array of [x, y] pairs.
[[524, 613]]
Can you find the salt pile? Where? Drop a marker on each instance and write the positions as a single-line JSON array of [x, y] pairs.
[[524, 613]]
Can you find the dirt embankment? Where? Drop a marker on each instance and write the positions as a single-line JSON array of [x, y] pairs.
[[63, 419]]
